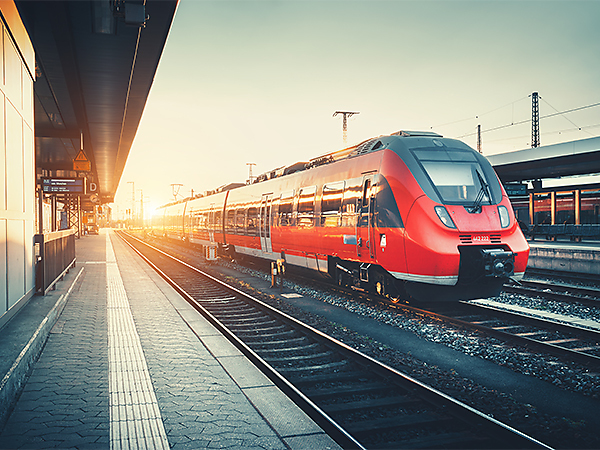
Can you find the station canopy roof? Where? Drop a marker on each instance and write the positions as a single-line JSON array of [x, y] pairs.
[[95, 63], [580, 157]]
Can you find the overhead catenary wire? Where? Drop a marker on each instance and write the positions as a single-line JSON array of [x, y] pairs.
[[501, 127], [566, 118], [548, 133], [479, 115]]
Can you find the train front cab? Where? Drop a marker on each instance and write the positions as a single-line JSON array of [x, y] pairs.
[[461, 238]]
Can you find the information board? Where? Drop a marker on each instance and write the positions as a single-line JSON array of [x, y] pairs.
[[516, 189], [63, 185]]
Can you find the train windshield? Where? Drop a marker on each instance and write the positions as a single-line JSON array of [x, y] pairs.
[[457, 175]]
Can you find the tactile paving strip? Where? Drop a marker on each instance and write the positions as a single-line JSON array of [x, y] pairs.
[[135, 420]]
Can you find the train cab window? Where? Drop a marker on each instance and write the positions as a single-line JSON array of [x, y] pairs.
[[306, 207], [331, 204], [458, 176], [387, 214], [252, 227], [286, 209]]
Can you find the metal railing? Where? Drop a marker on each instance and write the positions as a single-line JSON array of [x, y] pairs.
[[55, 255]]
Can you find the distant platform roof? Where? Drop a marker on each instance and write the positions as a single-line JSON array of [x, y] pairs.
[[95, 64], [551, 161]]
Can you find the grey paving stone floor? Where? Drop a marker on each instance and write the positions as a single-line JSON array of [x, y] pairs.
[[208, 394]]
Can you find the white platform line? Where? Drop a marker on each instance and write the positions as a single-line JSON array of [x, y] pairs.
[[135, 420]]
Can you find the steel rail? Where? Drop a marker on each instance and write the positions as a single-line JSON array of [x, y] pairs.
[[556, 350], [584, 277], [559, 292], [340, 435], [553, 349], [343, 437]]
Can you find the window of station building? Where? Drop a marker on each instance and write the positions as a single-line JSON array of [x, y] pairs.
[[352, 193], [306, 207], [286, 209], [252, 228], [387, 214], [331, 204], [590, 207]]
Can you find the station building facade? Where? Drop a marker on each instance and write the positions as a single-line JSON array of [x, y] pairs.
[[17, 163]]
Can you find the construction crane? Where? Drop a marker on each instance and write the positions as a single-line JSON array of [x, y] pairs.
[[345, 115]]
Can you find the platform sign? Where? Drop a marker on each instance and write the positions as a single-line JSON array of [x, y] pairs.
[[81, 163], [516, 189], [63, 185]]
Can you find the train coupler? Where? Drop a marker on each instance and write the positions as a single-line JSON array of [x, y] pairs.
[[498, 263]]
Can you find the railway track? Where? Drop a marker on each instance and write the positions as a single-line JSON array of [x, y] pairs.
[[568, 341], [571, 276], [560, 292], [357, 400]]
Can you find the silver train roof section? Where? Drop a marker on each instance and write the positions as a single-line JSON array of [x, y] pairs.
[[580, 157]]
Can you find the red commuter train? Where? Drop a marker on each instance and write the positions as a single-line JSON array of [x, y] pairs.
[[411, 215]]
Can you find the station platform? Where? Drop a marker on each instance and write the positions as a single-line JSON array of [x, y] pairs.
[[115, 358], [565, 256]]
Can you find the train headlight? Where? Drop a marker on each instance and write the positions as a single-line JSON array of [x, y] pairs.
[[444, 216], [504, 216]]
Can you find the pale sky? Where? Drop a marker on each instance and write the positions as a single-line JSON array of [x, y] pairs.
[[258, 81]]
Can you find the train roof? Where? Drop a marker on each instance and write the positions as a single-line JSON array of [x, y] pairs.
[[367, 146]]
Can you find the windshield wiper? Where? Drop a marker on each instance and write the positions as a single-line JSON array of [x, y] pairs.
[[483, 192]]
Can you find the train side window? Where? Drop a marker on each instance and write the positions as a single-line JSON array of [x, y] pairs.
[[331, 204], [194, 219], [286, 209], [352, 194], [230, 223], [218, 221], [274, 212], [306, 207], [240, 221], [366, 193], [252, 228]]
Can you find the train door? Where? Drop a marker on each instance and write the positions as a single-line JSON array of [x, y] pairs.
[[211, 223], [266, 204], [364, 228]]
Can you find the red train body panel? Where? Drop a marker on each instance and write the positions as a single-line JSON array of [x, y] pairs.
[[407, 215]]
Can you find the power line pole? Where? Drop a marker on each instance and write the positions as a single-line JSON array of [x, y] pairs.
[[345, 115], [250, 172], [535, 120], [479, 138], [175, 189], [132, 212]]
